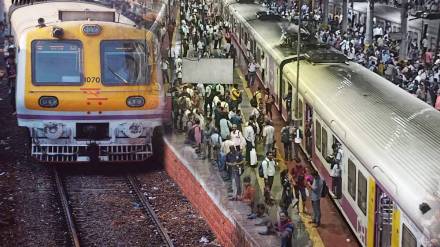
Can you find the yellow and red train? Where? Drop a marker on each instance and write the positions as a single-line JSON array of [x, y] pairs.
[[88, 87]]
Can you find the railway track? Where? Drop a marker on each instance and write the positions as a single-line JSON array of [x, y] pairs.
[[109, 210]]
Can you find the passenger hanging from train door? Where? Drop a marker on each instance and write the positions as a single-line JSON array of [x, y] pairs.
[[263, 67], [297, 139], [11, 70], [336, 169], [288, 99], [252, 73]]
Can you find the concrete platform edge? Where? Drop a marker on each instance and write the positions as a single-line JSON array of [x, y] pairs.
[[227, 230]]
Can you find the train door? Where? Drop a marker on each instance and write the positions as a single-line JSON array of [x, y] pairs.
[[384, 218], [308, 133]]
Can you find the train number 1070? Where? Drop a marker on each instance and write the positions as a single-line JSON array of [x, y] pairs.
[[93, 79]]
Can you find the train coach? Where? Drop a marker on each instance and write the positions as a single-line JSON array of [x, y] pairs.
[[390, 139], [87, 83]]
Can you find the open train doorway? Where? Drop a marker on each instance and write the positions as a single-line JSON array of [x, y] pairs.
[[384, 218], [308, 128]]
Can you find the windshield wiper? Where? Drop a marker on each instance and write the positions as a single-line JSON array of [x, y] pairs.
[[117, 75]]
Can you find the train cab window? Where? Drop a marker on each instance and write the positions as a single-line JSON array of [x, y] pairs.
[[362, 192], [318, 135], [123, 62], [57, 62], [351, 185], [408, 239], [324, 142]]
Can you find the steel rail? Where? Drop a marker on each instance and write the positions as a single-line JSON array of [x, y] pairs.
[[67, 211], [149, 209]]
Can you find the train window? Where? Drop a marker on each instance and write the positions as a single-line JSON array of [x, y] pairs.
[[245, 38], [258, 56], [351, 179], [408, 239], [362, 192], [123, 62], [324, 142], [318, 135], [300, 112], [57, 62]]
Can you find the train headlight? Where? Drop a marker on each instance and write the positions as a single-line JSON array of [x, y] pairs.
[[135, 101], [53, 130], [48, 101], [57, 32], [133, 130]]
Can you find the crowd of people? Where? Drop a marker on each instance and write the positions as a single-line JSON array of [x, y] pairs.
[[203, 28], [213, 121], [418, 73]]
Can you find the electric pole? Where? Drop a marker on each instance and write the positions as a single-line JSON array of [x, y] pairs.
[[325, 13], [403, 53], [369, 26], [344, 15]]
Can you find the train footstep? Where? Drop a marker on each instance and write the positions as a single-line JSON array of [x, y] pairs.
[[203, 240]]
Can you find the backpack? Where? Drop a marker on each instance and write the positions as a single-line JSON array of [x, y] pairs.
[[285, 135], [324, 190], [191, 134], [254, 101], [240, 98], [261, 170]]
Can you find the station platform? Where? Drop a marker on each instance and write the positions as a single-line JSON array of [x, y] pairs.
[[201, 182]]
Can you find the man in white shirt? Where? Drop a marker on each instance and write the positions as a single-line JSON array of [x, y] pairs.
[[297, 139], [269, 165], [252, 73], [336, 174], [164, 68], [268, 134], [249, 136], [220, 89]]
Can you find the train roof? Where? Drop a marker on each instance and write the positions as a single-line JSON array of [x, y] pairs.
[[24, 17], [392, 133], [266, 32]]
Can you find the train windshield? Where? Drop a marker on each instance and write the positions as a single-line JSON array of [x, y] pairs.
[[123, 62], [56, 62]]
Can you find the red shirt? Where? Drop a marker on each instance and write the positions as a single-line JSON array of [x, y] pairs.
[[248, 194], [298, 173]]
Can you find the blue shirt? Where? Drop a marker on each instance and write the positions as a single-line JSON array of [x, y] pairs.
[[316, 189]]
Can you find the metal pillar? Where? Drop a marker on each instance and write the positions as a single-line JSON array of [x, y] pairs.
[[325, 13], [298, 50], [403, 53], [369, 26], [344, 15]]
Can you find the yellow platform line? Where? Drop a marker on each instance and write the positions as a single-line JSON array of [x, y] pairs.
[[312, 231]]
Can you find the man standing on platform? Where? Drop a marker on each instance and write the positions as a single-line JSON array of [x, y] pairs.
[[234, 160], [249, 136], [315, 194], [287, 142], [164, 67], [268, 134], [269, 165]]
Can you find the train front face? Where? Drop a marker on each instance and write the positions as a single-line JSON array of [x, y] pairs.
[[89, 91]]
